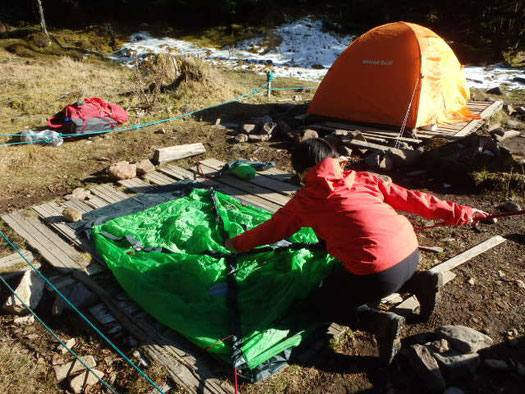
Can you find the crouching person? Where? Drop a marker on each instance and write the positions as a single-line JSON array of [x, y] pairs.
[[355, 214]]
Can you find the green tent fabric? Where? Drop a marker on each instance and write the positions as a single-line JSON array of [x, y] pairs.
[[187, 290]]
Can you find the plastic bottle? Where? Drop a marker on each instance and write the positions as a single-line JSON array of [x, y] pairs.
[[45, 136]]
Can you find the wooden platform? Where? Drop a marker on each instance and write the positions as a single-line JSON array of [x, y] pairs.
[[75, 261], [380, 135]]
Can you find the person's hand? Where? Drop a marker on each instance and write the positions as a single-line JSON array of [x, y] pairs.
[[228, 244], [477, 215]]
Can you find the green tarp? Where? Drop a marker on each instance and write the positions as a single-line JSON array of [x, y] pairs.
[[188, 291]]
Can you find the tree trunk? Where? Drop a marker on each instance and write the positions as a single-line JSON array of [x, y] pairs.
[[42, 19]]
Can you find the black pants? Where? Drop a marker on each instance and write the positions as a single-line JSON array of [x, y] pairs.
[[341, 294]]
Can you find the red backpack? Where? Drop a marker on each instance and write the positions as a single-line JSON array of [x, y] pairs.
[[91, 115]]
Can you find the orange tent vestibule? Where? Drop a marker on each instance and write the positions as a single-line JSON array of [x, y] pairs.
[[392, 71]]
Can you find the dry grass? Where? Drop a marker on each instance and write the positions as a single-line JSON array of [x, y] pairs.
[[21, 372], [33, 89]]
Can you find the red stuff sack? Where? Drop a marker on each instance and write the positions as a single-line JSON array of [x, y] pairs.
[[88, 116]]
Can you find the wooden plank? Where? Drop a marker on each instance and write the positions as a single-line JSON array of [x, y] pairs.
[[170, 153], [14, 259], [468, 254], [261, 180], [185, 363], [158, 178], [14, 264], [251, 188], [49, 245], [51, 213], [385, 134], [179, 173], [476, 123], [136, 185], [108, 194]]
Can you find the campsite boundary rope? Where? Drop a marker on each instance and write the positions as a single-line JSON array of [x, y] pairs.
[[72, 306], [56, 337], [252, 93]]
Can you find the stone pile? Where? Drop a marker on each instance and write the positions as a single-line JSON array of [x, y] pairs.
[[452, 358]]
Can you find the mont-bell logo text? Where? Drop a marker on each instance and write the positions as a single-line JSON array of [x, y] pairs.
[[378, 62]]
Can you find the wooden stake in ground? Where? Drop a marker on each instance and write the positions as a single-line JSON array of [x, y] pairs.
[[42, 19]]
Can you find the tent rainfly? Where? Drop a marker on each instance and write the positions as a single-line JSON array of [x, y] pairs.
[[395, 73]]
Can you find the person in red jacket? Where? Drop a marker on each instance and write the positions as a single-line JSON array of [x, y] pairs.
[[355, 214]]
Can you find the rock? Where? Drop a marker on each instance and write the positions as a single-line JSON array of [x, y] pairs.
[[220, 127], [82, 297], [24, 320], [248, 128], [258, 137], [464, 339], [241, 138], [72, 215], [514, 124], [386, 178], [376, 160], [509, 109], [63, 371], [506, 134], [496, 90], [520, 284], [520, 110], [145, 166], [269, 127], [186, 109], [87, 378], [501, 274], [439, 346], [453, 390], [80, 193], [341, 133], [161, 131], [70, 343], [139, 358], [427, 368], [500, 365], [457, 366], [261, 121], [122, 170], [519, 80], [472, 281], [307, 134], [509, 206], [403, 157], [29, 290], [317, 66], [283, 129], [520, 369]]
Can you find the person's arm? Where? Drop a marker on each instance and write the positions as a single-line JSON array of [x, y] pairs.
[[427, 205], [285, 222]]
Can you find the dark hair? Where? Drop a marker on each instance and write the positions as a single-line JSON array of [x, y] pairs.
[[311, 152]]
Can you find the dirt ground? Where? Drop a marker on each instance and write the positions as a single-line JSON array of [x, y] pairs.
[[485, 295]]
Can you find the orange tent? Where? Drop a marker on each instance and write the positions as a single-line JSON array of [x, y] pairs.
[[392, 71]]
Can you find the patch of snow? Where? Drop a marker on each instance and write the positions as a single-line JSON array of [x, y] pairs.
[[306, 52]]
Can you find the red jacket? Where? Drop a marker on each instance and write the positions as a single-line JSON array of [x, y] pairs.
[[355, 213]]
